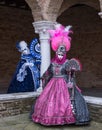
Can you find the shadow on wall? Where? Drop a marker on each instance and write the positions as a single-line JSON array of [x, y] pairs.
[[86, 42], [15, 25]]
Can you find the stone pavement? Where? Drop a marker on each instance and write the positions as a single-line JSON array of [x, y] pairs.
[[22, 122]]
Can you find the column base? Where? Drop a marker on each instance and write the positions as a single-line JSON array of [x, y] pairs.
[[100, 14]]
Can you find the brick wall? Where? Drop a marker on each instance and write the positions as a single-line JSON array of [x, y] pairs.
[[14, 104], [95, 112], [16, 107]]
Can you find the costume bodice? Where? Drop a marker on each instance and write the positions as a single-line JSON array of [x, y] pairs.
[[59, 70]]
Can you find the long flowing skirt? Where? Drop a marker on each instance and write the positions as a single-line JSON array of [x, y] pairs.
[[53, 107], [25, 86]]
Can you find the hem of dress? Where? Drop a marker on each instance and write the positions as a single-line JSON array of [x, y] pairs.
[[48, 123], [54, 124]]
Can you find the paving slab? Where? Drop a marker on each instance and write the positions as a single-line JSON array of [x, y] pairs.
[[23, 122]]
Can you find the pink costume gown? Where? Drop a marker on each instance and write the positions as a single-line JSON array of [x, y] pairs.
[[53, 107]]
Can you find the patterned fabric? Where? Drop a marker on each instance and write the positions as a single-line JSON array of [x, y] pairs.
[[59, 103], [26, 77], [53, 107]]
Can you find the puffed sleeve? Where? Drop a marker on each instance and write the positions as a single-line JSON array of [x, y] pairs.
[[73, 64], [47, 76]]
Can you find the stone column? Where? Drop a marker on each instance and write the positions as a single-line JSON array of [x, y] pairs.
[[100, 14], [41, 28]]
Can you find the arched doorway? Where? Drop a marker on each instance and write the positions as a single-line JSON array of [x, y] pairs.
[[86, 42]]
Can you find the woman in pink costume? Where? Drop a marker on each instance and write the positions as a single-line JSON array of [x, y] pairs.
[[61, 101]]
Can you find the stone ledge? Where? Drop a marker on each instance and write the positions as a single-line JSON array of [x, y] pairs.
[[93, 100], [15, 96]]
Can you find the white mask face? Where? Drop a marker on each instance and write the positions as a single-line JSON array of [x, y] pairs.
[[23, 48], [25, 51], [60, 56]]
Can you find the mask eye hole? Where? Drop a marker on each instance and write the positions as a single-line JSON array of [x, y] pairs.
[[24, 49], [60, 54], [61, 48]]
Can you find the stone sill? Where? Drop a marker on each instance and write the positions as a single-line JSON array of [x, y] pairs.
[[93, 100], [15, 96]]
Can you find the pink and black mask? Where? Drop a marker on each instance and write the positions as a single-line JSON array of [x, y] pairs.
[[60, 42], [61, 51], [60, 55]]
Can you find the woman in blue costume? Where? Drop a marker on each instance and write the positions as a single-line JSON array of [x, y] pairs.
[[27, 74]]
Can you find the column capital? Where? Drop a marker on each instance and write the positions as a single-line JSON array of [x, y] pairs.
[[100, 14], [43, 26]]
